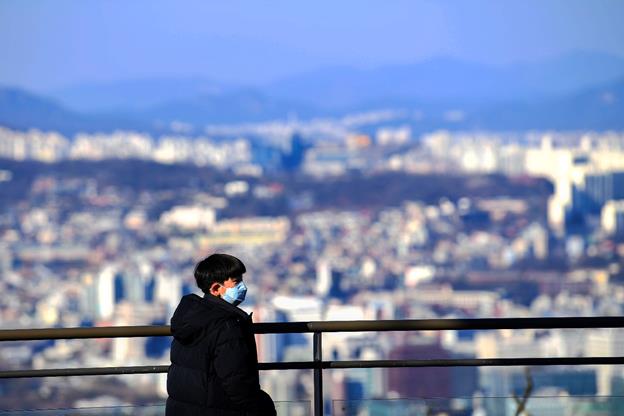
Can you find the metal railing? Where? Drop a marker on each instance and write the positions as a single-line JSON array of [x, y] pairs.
[[317, 329]]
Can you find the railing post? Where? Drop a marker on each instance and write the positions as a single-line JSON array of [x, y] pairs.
[[318, 374]]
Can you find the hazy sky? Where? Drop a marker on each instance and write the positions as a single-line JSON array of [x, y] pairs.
[[50, 44]]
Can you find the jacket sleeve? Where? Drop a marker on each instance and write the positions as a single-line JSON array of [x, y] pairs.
[[235, 367]]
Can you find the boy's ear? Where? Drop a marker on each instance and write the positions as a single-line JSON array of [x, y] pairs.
[[214, 289]]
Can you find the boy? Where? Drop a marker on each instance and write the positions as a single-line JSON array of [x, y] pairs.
[[214, 363]]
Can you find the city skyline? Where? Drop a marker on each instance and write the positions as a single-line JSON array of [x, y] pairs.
[[105, 230]]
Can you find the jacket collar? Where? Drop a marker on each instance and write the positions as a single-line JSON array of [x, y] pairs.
[[220, 303]]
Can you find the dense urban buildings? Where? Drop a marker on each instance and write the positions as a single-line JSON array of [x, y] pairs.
[[334, 224]]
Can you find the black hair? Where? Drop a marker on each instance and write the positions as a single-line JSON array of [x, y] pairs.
[[217, 268]]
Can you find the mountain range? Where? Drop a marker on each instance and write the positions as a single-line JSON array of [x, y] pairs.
[[576, 91]]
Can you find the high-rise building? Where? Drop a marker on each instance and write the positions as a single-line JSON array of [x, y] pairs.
[[603, 187], [6, 259], [401, 380], [105, 293], [581, 192], [292, 159], [612, 217], [323, 278]]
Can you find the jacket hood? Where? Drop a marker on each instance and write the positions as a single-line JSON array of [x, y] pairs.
[[195, 314]]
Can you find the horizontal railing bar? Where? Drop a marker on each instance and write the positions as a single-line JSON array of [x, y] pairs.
[[92, 371], [427, 398], [476, 362], [459, 324], [91, 332], [330, 326], [309, 365]]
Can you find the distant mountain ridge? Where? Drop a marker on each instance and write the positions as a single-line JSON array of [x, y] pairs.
[[598, 108], [244, 105], [572, 92], [134, 95], [453, 80], [339, 88], [22, 110]]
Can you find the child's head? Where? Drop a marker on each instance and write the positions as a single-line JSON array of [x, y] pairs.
[[218, 272]]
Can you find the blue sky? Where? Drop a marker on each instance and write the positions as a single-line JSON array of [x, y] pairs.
[[51, 44]]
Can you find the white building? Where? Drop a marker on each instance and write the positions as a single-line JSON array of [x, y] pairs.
[[612, 217], [191, 217]]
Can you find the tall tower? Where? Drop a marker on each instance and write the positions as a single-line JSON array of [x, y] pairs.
[[323, 277], [291, 161], [6, 259], [105, 292]]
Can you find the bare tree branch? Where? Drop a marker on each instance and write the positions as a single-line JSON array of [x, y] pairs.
[[521, 402]]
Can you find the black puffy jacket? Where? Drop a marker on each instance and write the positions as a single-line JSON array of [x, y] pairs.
[[214, 362]]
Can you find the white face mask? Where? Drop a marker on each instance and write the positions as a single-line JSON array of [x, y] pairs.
[[235, 295]]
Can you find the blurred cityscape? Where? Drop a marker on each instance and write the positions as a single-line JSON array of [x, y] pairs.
[[365, 160], [333, 224]]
